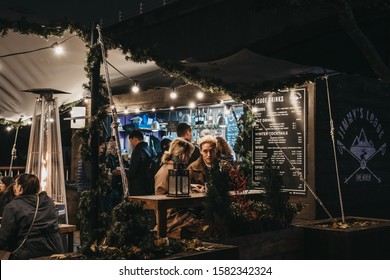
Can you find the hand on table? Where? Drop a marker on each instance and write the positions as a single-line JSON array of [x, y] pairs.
[[197, 188]]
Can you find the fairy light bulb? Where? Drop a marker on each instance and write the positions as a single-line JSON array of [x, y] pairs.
[[173, 94], [58, 50], [135, 88], [200, 95]]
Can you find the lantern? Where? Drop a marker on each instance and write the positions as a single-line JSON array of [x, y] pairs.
[[178, 181]]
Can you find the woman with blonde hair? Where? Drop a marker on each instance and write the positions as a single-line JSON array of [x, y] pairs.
[[180, 222], [179, 151]]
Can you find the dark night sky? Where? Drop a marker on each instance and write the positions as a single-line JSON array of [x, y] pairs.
[[84, 12], [7, 140]]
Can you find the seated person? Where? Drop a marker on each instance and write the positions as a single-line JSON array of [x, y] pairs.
[[43, 239], [206, 170], [6, 192], [180, 222], [224, 151], [164, 145]]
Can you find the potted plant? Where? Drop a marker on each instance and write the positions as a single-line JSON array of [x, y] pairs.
[[261, 229]]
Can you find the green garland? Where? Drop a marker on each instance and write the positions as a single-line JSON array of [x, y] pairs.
[[243, 145], [238, 91]]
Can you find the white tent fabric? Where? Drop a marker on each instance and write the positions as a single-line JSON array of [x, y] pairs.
[[65, 72], [40, 69], [45, 69]]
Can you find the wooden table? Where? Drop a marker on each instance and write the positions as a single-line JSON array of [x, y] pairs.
[[68, 230], [160, 203]]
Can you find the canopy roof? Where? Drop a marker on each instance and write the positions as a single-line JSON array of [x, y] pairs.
[[65, 72], [280, 53]]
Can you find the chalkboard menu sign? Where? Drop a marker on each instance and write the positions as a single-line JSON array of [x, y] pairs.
[[280, 133]]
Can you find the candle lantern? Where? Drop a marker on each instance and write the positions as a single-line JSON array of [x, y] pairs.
[[178, 181]]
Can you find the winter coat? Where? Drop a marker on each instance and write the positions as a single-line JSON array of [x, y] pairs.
[[199, 173], [43, 239], [177, 219], [139, 178]]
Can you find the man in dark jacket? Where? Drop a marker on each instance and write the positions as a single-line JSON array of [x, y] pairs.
[[139, 176]]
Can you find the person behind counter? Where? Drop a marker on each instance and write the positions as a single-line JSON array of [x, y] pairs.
[[181, 223], [43, 239], [184, 131]]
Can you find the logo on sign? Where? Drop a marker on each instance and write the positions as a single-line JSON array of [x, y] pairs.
[[360, 147]]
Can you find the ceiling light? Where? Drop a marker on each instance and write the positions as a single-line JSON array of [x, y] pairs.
[[155, 126], [227, 110], [186, 119], [222, 121]]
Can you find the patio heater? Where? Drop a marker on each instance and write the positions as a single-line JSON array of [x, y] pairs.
[[44, 157]]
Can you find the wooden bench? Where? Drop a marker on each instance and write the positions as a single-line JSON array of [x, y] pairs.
[[68, 230]]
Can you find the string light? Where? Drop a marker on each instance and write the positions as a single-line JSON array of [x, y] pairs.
[[86, 99], [173, 94], [200, 95], [56, 46], [192, 105], [126, 111], [58, 50], [135, 87]]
